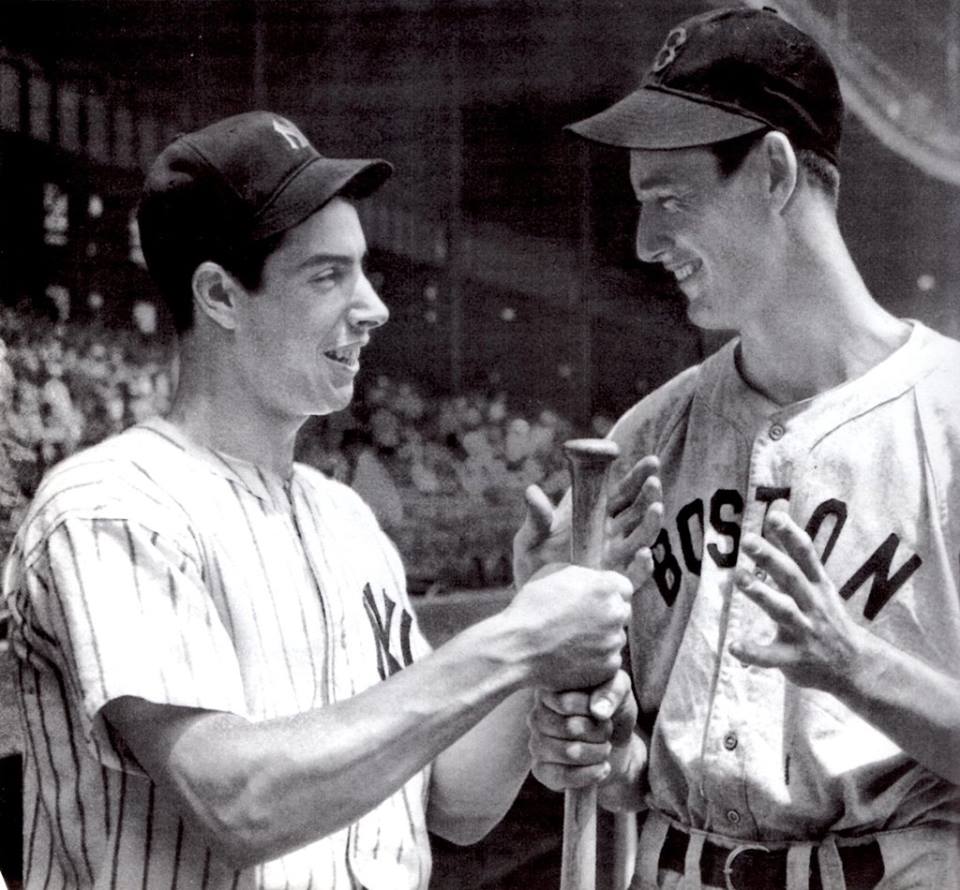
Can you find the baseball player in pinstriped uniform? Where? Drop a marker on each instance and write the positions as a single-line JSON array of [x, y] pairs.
[[796, 651], [222, 681]]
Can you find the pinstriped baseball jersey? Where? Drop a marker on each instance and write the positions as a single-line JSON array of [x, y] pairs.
[[870, 470], [149, 566]]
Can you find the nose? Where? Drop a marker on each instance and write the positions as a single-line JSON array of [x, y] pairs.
[[368, 310], [652, 240]]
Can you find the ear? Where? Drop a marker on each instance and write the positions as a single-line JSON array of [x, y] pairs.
[[782, 169], [215, 294]]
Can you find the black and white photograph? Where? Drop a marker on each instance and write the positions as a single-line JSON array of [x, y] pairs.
[[480, 445]]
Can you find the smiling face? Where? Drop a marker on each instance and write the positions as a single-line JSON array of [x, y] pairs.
[[711, 232], [298, 336]]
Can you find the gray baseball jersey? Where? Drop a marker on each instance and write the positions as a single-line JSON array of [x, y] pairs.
[[870, 470]]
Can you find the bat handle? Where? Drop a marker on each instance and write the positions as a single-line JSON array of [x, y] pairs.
[[589, 461]]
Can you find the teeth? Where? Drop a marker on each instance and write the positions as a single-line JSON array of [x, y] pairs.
[[345, 355], [684, 271]]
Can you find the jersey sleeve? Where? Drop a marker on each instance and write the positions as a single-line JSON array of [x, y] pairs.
[[120, 609]]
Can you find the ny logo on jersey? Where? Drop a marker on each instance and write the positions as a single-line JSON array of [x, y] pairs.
[[295, 139], [383, 626]]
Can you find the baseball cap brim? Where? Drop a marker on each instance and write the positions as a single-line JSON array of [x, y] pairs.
[[313, 185], [653, 118]]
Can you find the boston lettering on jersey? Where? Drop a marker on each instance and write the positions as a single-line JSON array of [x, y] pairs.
[[723, 515]]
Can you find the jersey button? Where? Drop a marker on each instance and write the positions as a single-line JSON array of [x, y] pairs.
[[733, 816], [730, 741], [776, 431]]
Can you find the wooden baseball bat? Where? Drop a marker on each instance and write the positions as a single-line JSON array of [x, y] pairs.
[[589, 461]]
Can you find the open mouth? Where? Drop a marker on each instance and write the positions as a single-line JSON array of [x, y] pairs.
[[682, 273], [345, 355]]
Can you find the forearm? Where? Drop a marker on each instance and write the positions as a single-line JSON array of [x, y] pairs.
[[477, 778], [261, 789], [915, 705]]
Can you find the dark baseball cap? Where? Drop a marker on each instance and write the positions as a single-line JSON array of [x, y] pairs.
[[723, 74], [239, 180]]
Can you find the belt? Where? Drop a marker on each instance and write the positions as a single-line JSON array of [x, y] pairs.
[[756, 868]]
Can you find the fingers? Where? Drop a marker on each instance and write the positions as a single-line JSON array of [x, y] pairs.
[[642, 514], [772, 655], [608, 698], [781, 608], [780, 567], [568, 704], [579, 728], [785, 534], [559, 777], [627, 490], [569, 751], [539, 511], [614, 699]]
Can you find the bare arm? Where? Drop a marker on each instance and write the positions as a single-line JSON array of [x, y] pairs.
[[257, 790], [477, 778], [820, 646]]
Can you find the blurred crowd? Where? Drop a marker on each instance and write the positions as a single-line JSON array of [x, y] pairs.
[[445, 475]]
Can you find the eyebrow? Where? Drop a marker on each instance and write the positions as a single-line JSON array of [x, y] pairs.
[[653, 182], [320, 259]]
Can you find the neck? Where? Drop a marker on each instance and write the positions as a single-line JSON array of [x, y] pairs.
[[214, 410], [822, 327]]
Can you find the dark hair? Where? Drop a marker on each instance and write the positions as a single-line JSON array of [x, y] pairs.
[[816, 169], [173, 270]]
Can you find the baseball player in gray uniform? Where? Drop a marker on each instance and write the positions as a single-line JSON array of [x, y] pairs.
[[796, 651]]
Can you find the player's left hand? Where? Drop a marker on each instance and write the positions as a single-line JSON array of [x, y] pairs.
[[816, 641], [579, 738]]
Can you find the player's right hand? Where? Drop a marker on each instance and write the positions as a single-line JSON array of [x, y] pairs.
[[570, 622], [634, 514], [582, 738]]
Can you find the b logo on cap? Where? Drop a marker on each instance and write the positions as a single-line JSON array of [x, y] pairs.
[[295, 139], [675, 39]]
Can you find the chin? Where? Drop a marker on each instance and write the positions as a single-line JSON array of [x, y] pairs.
[[336, 401]]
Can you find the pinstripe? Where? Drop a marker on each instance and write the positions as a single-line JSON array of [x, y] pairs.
[[206, 870], [132, 550], [105, 776], [176, 856], [324, 614], [25, 722], [318, 538], [46, 880], [148, 842], [55, 775], [172, 587], [86, 606], [266, 575], [317, 591], [218, 572], [51, 596], [68, 720], [118, 831]]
